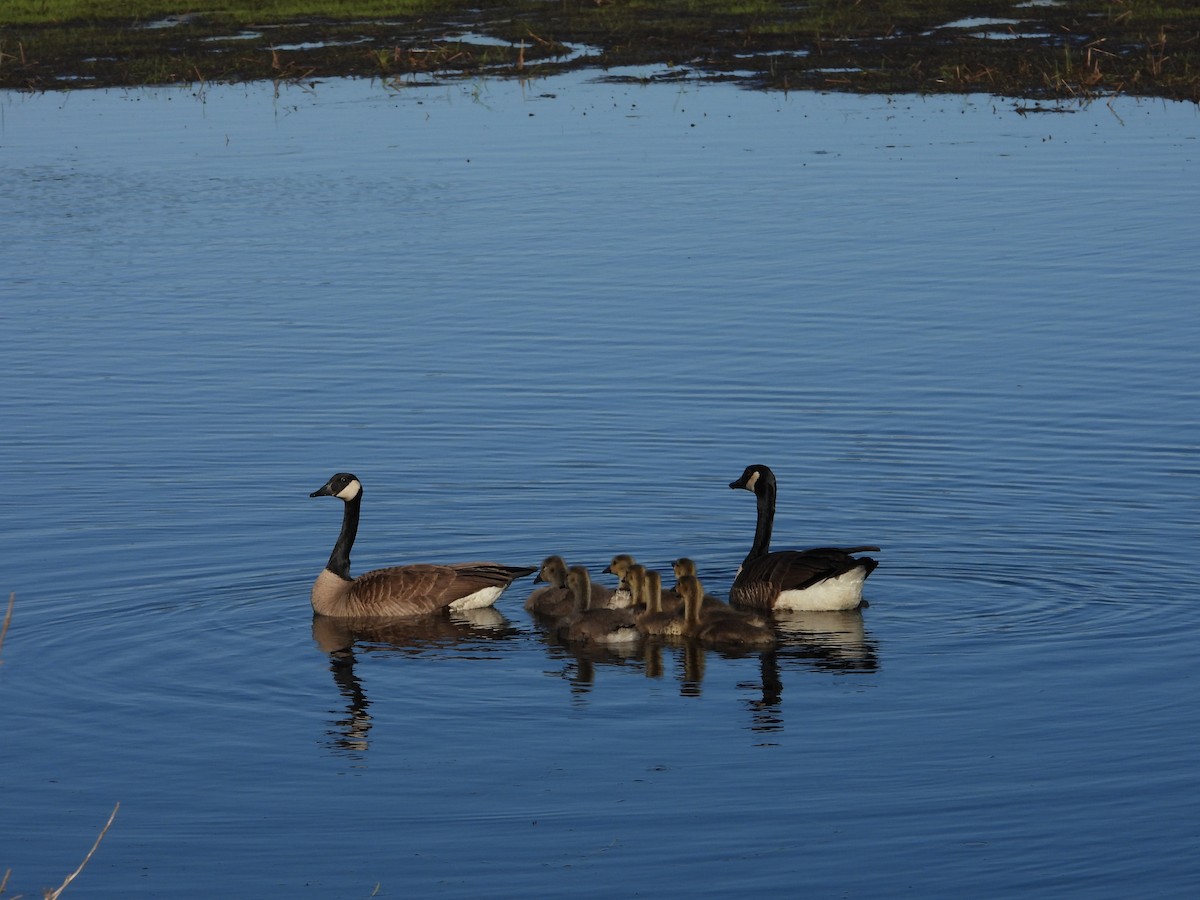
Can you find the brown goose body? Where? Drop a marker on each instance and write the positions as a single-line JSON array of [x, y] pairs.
[[399, 591], [823, 578], [590, 625]]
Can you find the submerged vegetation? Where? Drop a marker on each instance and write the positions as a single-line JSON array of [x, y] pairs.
[[1026, 48]]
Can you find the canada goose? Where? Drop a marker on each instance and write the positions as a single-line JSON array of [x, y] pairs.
[[655, 620], [599, 626], [721, 625], [686, 566], [635, 580], [823, 578], [622, 596], [411, 590], [554, 599], [638, 578]]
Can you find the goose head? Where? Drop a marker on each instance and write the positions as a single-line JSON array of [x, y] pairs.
[[343, 485], [755, 479], [620, 564], [683, 566], [554, 571]]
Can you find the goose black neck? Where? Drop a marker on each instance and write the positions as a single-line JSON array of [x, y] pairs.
[[765, 492], [339, 559]]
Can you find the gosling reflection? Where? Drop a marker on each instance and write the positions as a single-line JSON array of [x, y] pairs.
[[692, 661], [683, 631], [345, 639]]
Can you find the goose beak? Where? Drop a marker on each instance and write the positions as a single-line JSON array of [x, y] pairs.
[[324, 490]]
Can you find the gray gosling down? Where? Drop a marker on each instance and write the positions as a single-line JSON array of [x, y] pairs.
[[622, 597], [553, 599], [719, 626], [399, 591], [596, 626], [655, 620], [687, 566]]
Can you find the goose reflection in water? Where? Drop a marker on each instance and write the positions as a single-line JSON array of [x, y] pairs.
[[344, 639], [833, 642]]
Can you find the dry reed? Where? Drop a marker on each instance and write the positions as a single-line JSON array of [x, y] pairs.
[[57, 892], [12, 598], [51, 893]]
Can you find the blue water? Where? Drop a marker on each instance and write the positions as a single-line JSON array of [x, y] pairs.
[[560, 317]]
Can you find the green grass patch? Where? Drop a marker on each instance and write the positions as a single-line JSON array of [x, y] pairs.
[[30, 12]]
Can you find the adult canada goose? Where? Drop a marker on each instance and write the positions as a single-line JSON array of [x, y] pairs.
[[598, 626], [622, 596], [819, 579], [411, 590], [720, 625], [655, 620]]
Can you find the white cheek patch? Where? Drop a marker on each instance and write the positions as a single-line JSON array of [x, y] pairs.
[[752, 481], [350, 491]]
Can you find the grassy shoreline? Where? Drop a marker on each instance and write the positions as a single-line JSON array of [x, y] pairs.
[[1079, 49]]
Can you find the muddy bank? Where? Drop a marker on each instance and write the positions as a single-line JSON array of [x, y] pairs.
[[1074, 49]]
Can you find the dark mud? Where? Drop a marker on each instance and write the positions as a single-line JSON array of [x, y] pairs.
[[1076, 49]]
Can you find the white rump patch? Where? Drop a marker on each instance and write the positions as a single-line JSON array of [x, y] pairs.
[[478, 600], [350, 491], [843, 592]]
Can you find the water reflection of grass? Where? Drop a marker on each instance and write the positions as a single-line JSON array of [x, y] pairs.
[[1069, 48]]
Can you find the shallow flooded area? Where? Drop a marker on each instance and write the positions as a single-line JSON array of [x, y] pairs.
[[560, 316], [1063, 50]]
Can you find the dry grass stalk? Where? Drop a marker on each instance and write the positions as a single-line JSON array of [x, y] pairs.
[[12, 598], [57, 892]]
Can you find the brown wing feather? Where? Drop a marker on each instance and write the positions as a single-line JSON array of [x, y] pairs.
[[424, 588]]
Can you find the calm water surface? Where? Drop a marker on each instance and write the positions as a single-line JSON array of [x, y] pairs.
[[561, 317]]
